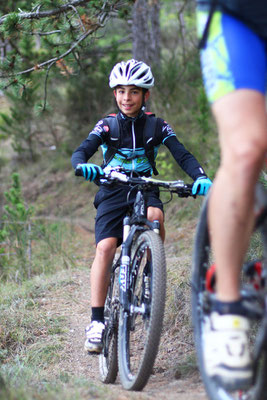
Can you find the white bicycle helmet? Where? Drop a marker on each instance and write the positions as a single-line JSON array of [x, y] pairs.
[[131, 72]]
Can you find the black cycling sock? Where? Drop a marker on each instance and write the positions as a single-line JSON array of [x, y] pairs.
[[233, 307], [97, 314]]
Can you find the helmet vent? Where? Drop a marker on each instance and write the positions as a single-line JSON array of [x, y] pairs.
[[131, 72]]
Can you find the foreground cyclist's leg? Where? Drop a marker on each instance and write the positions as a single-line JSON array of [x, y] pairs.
[[234, 71], [243, 142], [100, 273], [243, 139]]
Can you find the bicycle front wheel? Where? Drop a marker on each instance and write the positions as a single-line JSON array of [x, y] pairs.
[[140, 326], [203, 289]]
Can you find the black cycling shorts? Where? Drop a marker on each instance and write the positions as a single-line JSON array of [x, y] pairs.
[[112, 204]]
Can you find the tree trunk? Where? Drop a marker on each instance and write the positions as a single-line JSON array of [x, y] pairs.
[[146, 31]]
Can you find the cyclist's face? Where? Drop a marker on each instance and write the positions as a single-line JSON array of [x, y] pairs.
[[130, 99]]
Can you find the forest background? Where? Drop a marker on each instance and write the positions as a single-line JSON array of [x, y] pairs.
[[55, 59]]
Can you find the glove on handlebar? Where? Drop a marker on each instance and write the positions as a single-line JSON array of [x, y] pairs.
[[91, 171], [201, 186]]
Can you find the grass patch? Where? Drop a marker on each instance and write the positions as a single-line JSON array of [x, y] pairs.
[[32, 340], [47, 247], [181, 211], [33, 343], [187, 367], [44, 353], [24, 323], [63, 387], [30, 333]]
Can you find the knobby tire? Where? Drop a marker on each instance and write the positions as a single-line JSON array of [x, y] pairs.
[[137, 356]]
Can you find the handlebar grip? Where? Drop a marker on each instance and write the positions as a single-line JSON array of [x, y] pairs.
[[185, 191], [78, 171]]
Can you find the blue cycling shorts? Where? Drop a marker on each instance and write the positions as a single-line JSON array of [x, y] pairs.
[[234, 56]]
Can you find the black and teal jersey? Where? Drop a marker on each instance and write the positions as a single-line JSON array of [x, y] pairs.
[[251, 12], [131, 155]]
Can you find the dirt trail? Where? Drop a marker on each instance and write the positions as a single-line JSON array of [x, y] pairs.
[[167, 382]]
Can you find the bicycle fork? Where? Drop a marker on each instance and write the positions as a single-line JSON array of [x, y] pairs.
[[124, 275], [125, 264]]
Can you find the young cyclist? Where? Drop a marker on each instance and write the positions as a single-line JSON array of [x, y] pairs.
[[233, 56], [131, 82]]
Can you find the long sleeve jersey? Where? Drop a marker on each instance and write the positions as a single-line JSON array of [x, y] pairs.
[[131, 154]]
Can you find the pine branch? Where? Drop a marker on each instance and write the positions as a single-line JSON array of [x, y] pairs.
[[44, 14], [42, 33], [103, 15], [56, 11], [45, 86], [78, 15], [55, 59], [86, 26]]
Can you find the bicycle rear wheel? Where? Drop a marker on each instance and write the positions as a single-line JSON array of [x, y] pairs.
[[108, 359], [140, 327], [202, 286]]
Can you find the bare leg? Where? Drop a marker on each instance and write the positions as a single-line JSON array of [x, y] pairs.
[[100, 270], [154, 213], [242, 124]]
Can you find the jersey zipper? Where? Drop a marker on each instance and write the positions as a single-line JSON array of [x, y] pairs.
[[134, 144]]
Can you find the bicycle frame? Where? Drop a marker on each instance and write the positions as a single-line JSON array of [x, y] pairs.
[[135, 309]]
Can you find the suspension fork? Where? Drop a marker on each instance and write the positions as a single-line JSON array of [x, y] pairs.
[[128, 234], [123, 277]]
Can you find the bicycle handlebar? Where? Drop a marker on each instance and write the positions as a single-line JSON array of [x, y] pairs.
[[116, 176]]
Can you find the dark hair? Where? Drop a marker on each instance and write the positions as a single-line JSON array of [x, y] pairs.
[[145, 90]]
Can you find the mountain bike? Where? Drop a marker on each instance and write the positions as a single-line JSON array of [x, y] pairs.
[[254, 298], [134, 307]]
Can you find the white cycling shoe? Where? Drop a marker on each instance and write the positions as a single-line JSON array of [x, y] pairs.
[[94, 337], [226, 351]]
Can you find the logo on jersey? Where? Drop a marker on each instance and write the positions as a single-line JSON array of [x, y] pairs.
[[98, 128], [168, 128]]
